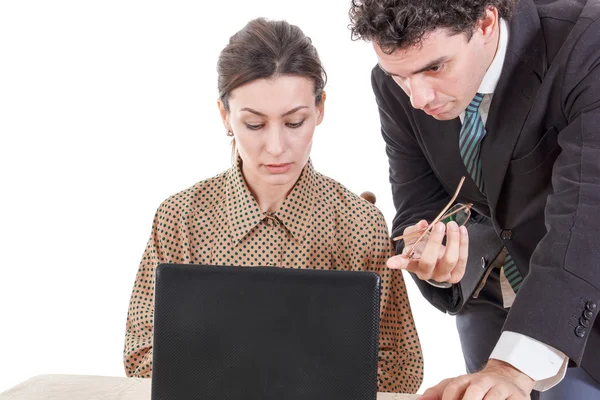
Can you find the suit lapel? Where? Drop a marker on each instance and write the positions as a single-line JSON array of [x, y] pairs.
[[441, 145], [521, 77]]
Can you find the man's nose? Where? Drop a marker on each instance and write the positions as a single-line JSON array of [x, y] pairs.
[[421, 96]]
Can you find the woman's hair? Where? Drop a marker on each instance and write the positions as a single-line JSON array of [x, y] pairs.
[[400, 24], [265, 49]]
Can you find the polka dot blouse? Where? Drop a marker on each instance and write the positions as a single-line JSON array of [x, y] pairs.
[[320, 225]]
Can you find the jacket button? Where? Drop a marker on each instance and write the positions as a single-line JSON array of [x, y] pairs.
[[584, 322], [506, 234], [580, 331], [483, 262], [587, 314], [591, 306]]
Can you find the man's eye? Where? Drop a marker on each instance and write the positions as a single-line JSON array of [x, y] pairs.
[[436, 68]]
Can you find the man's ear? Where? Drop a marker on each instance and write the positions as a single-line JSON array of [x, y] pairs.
[[489, 23]]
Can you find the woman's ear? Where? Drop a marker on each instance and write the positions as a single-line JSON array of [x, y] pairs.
[[321, 107], [224, 115]]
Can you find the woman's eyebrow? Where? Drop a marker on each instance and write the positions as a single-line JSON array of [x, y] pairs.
[[293, 110]]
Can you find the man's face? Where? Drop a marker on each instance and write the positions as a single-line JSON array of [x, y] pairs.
[[442, 74]]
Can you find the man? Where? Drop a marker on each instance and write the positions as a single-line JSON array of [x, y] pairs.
[[507, 94]]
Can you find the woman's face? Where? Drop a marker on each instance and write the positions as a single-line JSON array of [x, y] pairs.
[[273, 121]]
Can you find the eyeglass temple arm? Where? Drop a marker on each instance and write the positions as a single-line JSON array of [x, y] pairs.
[[437, 219], [467, 206]]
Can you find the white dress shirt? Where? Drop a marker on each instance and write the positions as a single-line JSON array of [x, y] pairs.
[[542, 363]]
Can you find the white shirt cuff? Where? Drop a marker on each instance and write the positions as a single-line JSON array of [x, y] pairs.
[[542, 363], [441, 285]]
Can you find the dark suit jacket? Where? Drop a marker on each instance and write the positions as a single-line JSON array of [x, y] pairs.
[[541, 166]]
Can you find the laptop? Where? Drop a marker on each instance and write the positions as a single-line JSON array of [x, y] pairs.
[[237, 333]]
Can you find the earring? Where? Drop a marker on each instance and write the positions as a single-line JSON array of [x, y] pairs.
[[229, 133]]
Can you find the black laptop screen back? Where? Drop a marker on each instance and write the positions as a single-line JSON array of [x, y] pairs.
[[232, 333]]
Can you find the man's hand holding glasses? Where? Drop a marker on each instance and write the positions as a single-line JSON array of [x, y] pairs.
[[425, 253]]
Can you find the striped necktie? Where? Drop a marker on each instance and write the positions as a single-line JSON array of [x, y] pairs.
[[469, 144], [471, 135]]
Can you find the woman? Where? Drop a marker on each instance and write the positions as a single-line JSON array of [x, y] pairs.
[[272, 207]]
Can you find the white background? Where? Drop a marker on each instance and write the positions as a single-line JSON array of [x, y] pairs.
[[107, 108]]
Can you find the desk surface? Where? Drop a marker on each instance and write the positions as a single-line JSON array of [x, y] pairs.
[[76, 387]]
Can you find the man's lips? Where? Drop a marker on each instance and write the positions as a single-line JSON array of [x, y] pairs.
[[434, 110]]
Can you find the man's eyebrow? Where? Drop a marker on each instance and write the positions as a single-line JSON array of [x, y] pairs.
[[430, 65], [285, 114]]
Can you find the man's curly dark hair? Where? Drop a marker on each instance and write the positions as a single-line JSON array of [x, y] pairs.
[[400, 24]]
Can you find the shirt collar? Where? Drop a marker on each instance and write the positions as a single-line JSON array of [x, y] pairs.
[[297, 208], [243, 212], [492, 75]]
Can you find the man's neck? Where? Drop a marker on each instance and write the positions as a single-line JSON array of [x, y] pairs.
[[497, 55]]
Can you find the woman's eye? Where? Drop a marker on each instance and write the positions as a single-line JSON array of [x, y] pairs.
[[254, 127], [294, 125]]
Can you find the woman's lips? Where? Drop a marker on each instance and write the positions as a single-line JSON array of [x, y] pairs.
[[278, 168]]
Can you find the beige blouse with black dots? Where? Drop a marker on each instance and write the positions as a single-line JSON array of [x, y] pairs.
[[320, 225]]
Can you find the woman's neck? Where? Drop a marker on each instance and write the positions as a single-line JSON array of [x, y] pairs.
[[269, 197]]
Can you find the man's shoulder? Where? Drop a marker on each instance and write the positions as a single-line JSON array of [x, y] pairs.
[[383, 83], [568, 10], [562, 10], [379, 80], [571, 31], [390, 95], [561, 19]]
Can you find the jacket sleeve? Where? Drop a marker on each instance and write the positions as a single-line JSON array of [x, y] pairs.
[[557, 302], [418, 194]]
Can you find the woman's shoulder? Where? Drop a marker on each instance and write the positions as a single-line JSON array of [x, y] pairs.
[[347, 203], [201, 196]]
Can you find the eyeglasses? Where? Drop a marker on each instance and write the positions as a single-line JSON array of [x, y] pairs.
[[459, 213]]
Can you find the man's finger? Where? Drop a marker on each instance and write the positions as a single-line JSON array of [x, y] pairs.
[[422, 224], [463, 254], [435, 393], [429, 257], [398, 262], [456, 389], [447, 263], [419, 225], [498, 392], [478, 389]]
